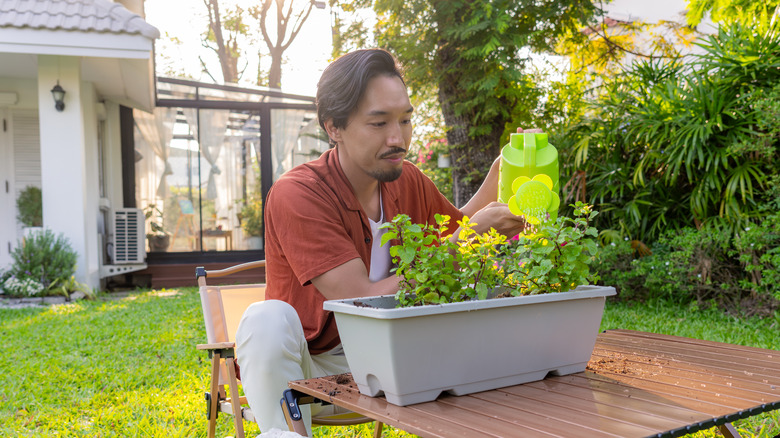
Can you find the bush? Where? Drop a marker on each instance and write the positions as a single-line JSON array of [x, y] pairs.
[[671, 145], [758, 249], [614, 263], [43, 259], [30, 207], [707, 265]]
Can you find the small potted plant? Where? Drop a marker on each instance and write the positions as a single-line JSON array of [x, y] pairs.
[[29, 206], [252, 221], [159, 238], [479, 314]]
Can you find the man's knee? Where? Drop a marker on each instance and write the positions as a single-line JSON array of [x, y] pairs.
[[271, 330]]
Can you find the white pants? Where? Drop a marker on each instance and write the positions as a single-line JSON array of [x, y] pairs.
[[272, 350]]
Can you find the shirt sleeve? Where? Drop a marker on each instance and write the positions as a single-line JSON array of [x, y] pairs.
[[309, 228]]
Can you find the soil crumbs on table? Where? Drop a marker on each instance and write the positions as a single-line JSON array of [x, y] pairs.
[[618, 364], [345, 380]]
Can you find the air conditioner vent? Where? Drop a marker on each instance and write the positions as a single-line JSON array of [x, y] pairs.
[[128, 245]]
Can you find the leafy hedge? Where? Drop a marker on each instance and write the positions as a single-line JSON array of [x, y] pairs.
[[670, 145], [740, 270]]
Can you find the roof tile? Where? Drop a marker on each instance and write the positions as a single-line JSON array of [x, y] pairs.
[[102, 16]]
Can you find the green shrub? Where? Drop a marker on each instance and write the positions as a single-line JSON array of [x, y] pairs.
[[614, 263], [706, 265], [43, 257], [30, 207], [758, 249], [670, 145], [694, 264]]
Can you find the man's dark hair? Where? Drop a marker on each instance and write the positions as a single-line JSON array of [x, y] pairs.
[[344, 81]]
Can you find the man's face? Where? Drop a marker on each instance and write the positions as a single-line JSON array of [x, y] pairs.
[[378, 133]]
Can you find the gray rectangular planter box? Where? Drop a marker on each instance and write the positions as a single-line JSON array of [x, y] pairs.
[[413, 354]]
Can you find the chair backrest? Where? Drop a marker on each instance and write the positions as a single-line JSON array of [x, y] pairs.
[[223, 306]]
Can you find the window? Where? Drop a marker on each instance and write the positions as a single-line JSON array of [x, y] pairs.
[[203, 170]]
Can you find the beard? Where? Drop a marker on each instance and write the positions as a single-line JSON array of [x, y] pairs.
[[387, 175]]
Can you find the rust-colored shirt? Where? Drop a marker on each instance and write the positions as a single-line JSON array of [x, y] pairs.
[[314, 223]]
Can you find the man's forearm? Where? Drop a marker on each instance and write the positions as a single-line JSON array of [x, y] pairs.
[[487, 193]]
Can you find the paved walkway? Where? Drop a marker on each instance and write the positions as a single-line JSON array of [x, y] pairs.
[[23, 303]]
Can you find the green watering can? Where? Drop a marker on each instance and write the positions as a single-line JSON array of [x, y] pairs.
[[528, 177]]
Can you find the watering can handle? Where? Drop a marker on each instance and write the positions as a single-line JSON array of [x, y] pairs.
[[529, 150]]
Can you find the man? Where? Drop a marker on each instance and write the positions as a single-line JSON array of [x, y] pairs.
[[322, 236]]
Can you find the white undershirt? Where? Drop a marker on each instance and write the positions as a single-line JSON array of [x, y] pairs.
[[380, 255]]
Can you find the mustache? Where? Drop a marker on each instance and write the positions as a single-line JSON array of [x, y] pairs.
[[394, 151]]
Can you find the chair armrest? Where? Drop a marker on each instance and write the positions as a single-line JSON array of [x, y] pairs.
[[202, 272], [216, 346]]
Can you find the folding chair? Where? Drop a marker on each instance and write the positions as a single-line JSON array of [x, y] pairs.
[[223, 307]]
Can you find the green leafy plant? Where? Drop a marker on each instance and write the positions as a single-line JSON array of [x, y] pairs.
[[669, 145], [42, 261], [252, 216], [30, 207], [156, 222], [70, 285], [552, 257]]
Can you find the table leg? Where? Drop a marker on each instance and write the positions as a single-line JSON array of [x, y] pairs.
[[728, 430]]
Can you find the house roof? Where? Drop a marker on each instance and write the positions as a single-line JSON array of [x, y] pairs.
[[115, 45], [101, 16]]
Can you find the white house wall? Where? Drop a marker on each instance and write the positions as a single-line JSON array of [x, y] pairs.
[[19, 156], [68, 161], [73, 203], [7, 194]]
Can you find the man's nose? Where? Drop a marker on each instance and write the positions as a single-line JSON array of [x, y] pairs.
[[395, 135]]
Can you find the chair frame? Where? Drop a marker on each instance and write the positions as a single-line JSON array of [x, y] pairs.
[[223, 354]]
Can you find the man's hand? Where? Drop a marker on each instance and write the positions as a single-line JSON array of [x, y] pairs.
[[497, 215]]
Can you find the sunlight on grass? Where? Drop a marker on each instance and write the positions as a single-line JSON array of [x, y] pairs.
[[129, 367], [65, 309]]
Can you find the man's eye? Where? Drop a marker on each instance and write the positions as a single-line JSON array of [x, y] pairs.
[[377, 124], [406, 122]]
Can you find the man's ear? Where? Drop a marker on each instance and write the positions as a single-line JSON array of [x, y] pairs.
[[333, 132]]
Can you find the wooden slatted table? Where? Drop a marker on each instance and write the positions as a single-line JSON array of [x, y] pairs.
[[637, 385]]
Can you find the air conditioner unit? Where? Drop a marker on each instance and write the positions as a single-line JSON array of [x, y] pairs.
[[128, 243]]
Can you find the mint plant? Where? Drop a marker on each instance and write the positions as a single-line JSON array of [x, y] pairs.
[[552, 257]]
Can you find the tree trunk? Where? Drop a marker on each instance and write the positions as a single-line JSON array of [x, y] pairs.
[[275, 72], [471, 156], [227, 58]]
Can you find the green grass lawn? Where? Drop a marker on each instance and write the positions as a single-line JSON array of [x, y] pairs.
[[129, 367]]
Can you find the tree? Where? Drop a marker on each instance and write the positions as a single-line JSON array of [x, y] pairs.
[[222, 37], [672, 145], [469, 52], [733, 11], [348, 27], [289, 22]]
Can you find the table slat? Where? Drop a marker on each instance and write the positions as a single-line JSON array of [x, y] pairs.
[[495, 406], [724, 382], [414, 421]]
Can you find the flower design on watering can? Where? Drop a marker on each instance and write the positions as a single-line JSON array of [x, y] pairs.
[[534, 199]]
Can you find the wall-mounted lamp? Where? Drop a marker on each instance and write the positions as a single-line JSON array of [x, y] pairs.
[[59, 97]]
